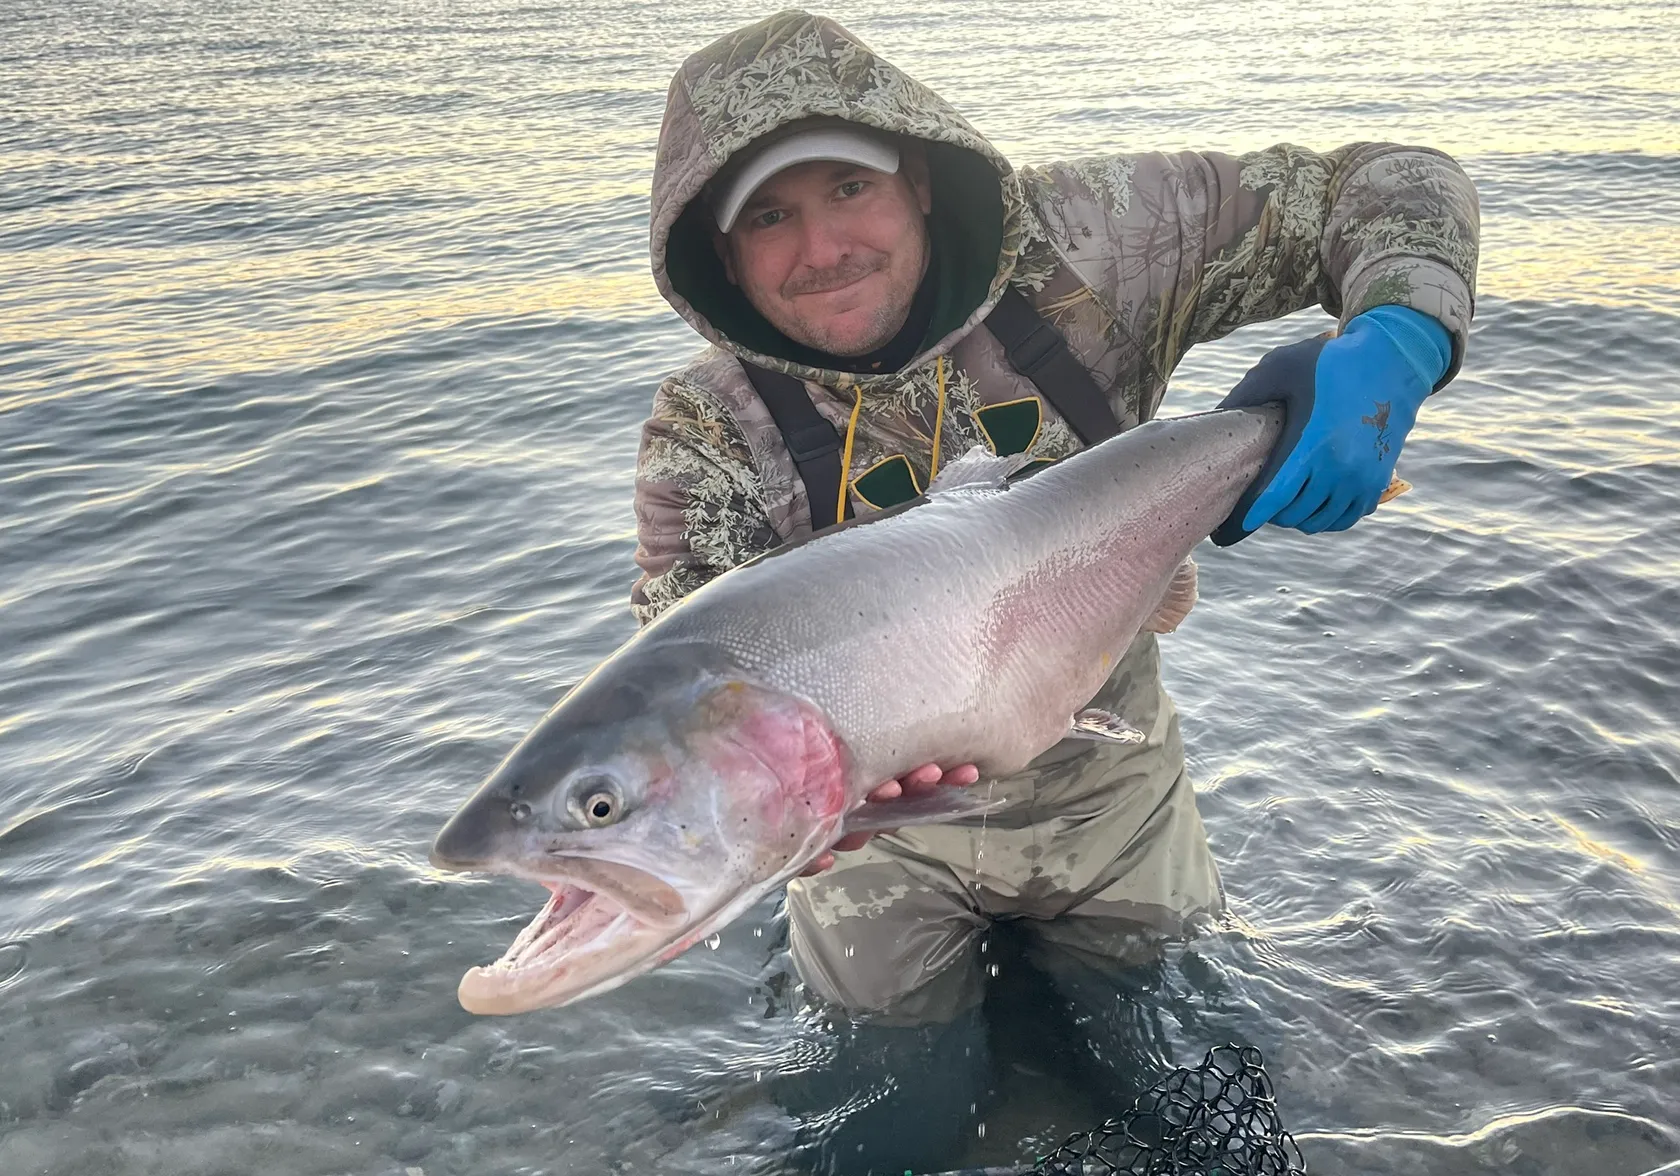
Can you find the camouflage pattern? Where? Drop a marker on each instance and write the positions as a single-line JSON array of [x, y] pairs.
[[1135, 258]]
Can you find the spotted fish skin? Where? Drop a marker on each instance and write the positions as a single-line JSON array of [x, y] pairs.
[[737, 736], [971, 627]]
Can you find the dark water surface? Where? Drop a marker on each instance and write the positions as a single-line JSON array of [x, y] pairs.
[[325, 332]]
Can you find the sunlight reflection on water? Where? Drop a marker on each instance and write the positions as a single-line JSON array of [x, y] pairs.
[[325, 340]]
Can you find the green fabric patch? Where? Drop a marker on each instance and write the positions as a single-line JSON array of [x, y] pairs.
[[888, 482], [966, 224], [1011, 427]]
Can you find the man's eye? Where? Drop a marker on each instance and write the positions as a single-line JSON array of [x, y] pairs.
[[851, 187], [769, 217]]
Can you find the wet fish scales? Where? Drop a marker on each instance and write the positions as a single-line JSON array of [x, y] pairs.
[[730, 741]]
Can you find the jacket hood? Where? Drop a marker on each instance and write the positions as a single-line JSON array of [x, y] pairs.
[[787, 69]]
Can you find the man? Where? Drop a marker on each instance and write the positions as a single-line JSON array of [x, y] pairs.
[[874, 281]]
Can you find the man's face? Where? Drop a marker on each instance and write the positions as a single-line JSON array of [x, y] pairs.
[[832, 253]]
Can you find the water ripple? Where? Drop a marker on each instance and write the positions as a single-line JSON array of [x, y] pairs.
[[324, 345]]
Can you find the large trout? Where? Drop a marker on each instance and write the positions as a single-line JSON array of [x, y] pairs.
[[736, 737]]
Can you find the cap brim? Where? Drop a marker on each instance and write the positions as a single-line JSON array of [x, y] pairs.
[[833, 144]]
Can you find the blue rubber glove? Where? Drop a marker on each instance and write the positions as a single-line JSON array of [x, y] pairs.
[[1348, 404]]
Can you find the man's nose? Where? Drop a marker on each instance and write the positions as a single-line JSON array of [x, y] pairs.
[[825, 245]]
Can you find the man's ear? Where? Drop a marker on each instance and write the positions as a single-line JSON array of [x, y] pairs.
[[913, 166], [720, 246]]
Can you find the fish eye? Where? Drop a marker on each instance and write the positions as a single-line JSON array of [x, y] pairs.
[[601, 808], [597, 802]]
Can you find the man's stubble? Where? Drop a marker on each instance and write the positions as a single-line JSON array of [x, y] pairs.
[[886, 319]]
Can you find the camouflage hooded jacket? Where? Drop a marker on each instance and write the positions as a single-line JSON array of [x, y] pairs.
[[1135, 258]]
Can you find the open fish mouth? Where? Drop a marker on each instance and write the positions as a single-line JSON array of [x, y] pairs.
[[579, 942], [570, 921]]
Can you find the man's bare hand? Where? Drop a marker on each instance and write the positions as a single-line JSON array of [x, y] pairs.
[[919, 782]]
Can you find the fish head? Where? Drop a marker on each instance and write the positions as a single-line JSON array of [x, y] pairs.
[[655, 802]]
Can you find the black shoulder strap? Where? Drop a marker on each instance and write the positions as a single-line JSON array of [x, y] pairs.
[[811, 441], [1037, 350]]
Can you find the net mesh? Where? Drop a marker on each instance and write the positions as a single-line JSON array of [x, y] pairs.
[[1215, 1119]]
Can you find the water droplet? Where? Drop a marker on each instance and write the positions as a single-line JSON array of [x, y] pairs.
[[758, 1075], [713, 940], [851, 950], [758, 932], [993, 969], [984, 944], [981, 1130]]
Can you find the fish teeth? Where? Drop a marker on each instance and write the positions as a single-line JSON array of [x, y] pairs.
[[532, 929], [570, 914], [554, 932], [550, 922], [615, 921]]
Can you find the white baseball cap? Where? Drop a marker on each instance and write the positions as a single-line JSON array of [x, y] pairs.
[[841, 144]]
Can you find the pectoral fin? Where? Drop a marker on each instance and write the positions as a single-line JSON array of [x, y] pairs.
[[1102, 726], [938, 808], [1177, 601]]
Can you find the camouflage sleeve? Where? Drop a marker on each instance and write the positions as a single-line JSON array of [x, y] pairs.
[[1190, 246], [700, 507]]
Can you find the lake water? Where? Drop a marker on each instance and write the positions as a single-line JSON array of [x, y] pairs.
[[325, 333]]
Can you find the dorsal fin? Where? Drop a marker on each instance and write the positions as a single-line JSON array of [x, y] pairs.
[[978, 469]]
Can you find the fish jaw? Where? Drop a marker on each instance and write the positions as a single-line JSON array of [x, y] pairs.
[[582, 942], [758, 789], [585, 942], [530, 974]]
